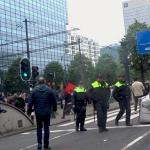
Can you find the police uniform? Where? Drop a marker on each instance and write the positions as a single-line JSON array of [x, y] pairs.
[[122, 94], [100, 94], [80, 101]]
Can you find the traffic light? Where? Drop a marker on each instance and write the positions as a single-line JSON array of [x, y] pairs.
[[35, 72], [25, 70]]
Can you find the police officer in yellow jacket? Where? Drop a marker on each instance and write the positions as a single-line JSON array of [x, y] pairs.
[[80, 99], [100, 94], [122, 94]]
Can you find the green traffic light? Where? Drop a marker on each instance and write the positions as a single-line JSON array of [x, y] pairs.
[[25, 74]]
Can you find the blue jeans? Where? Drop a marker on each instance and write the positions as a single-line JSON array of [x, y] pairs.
[[43, 121]]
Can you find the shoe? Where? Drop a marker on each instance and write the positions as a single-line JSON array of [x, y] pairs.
[[105, 130], [39, 147], [77, 128], [135, 112], [83, 129], [116, 123], [128, 124]]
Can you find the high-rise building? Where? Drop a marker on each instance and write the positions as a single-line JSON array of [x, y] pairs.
[[136, 10], [87, 46], [111, 50], [43, 20]]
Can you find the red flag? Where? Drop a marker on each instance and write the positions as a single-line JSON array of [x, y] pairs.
[[69, 88]]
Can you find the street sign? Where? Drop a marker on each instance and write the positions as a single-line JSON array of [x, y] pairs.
[[143, 42]]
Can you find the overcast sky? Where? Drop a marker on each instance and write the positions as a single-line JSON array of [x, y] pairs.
[[101, 20]]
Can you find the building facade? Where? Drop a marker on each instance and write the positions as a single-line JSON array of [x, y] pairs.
[[82, 44], [43, 20], [136, 10], [111, 50]]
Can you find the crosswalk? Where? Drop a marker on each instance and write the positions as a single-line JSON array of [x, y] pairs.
[[110, 117]]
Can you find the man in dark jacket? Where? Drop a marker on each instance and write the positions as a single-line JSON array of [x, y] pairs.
[[122, 94], [80, 100], [44, 102], [100, 94]]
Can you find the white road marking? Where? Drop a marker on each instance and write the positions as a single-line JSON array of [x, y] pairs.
[[26, 133], [132, 117], [109, 119], [56, 137], [110, 113], [89, 120], [135, 141]]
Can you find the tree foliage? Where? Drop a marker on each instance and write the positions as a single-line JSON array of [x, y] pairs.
[[81, 67], [54, 68], [107, 67], [12, 79]]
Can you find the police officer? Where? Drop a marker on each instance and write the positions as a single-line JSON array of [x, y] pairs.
[[100, 94], [80, 99], [122, 94]]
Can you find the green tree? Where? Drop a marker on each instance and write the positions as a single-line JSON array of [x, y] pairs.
[[107, 67], [54, 68], [128, 51], [81, 67], [12, 80]]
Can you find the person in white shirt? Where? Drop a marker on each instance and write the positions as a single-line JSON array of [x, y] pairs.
[[138, 91]]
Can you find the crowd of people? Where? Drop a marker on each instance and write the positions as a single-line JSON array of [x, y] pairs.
[[45, 97]]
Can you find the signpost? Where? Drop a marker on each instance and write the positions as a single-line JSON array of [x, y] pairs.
[[143, 42], [143, 46]]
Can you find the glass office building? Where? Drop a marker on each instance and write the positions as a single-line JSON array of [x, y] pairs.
[[45, 22]]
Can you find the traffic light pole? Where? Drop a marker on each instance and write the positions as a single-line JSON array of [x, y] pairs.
[[27, 39]]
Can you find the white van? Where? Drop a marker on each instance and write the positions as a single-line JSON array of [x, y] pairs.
[[144, 114]]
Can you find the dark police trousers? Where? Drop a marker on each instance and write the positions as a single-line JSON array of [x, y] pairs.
[[101, 114], [80, 116], [124, 104], [43, 121]]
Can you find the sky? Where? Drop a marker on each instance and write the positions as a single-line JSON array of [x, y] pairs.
[[100, 20]]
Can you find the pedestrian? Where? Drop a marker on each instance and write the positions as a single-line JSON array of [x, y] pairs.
[[138, 91], [20, 103], [44, 102], [122, 94], [100, 94], [80, 99], [68, 91], [147, 88]]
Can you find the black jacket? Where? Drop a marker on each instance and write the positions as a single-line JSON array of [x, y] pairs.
[[43, 100], [80, 99], [100, 94], [121, 92]]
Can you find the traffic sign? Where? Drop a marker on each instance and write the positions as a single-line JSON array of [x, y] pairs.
[[143, 42]]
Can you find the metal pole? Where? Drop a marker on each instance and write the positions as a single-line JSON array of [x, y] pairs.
[[81, 68], [27, 39], [142, 69]]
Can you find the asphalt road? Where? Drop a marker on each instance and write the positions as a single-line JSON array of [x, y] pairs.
[[64, 137]]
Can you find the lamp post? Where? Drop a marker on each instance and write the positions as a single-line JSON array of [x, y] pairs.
[[81, 62]]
